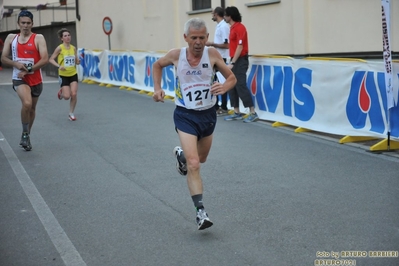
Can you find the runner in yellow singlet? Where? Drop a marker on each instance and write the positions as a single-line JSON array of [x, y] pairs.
[[67, 61]]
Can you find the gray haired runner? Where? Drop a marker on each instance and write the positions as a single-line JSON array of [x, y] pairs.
[[195, 97]]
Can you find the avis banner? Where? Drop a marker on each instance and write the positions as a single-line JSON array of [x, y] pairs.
[[346, 98]]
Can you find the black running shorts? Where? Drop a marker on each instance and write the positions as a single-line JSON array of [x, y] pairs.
[[197, 123], [66, 81]]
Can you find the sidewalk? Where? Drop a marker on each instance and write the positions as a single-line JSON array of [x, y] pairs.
[[6, 73]]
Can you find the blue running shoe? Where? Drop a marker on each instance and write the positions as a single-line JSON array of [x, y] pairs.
[[251, 118], [234, 116]]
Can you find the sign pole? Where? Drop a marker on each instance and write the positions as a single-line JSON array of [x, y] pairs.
[[107, 28]]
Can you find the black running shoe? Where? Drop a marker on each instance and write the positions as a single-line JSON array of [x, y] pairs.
[[25, 141], [181, 164]]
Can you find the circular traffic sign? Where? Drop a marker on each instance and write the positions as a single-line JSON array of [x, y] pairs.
[[107, 25]]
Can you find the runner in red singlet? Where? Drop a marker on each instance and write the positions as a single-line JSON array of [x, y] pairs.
[[29, 54]]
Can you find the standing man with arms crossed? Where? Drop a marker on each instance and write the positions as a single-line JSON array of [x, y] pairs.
[[195, 115], [221, 43], [67, 61], [239, 63], [29, 55]]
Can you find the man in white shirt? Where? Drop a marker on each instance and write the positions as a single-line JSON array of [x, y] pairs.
[[221, 43]]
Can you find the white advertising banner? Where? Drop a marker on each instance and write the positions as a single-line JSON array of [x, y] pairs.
[[338, 97]]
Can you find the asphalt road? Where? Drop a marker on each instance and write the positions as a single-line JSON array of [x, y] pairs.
[[104, 191]]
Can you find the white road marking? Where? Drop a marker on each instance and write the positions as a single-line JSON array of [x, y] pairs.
[[61, 241]]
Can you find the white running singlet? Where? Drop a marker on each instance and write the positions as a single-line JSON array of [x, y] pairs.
[[193, 84]]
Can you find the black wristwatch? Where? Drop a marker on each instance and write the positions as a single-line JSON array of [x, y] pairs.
[[29, 68]]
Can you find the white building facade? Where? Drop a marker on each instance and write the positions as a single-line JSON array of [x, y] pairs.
[[284, 27]]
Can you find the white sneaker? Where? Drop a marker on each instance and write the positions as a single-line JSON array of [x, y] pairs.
[[203, 220], [181, 164]]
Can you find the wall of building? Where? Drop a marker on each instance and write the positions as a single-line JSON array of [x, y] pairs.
[[290, 27], [350, 26], [293, 27], [53, 13], [40, 18]]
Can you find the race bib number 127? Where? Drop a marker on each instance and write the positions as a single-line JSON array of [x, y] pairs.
[[197, 95]]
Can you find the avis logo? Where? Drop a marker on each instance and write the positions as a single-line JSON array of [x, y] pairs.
[[367, 103], [271, 85], [90, 63], [121, 68], [168, 76]]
